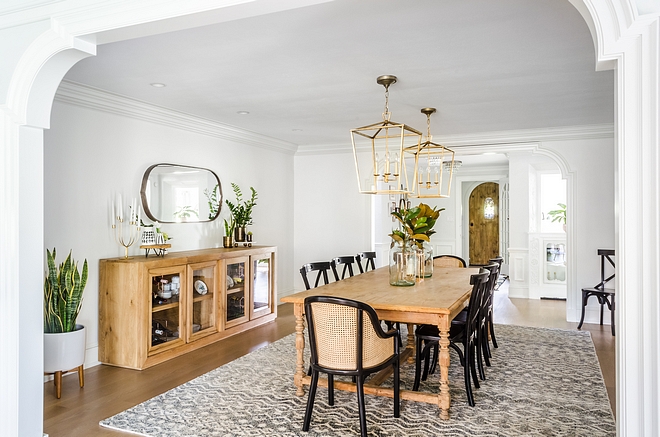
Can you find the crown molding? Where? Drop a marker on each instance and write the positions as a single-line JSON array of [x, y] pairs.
[[89, 97], [489, 139]]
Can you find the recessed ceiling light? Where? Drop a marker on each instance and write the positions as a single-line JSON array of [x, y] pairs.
[[243, 112], [158, 85], [297, 130]]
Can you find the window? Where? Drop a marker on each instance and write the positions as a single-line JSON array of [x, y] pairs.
[[489, 208]]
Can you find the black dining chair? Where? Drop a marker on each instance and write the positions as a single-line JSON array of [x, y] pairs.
[[604, 295], [368, 258], [346, 261], [466, 334], [321, 269], [346, 338]]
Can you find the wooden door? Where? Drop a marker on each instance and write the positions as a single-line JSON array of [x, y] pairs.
[[484, 223]]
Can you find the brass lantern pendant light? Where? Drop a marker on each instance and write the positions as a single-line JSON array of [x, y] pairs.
[[379, 152], [429, 159]]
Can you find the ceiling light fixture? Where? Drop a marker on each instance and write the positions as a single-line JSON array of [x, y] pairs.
[[158, 85], [378, 151], [428, 176], [451, 166], [243, 112]]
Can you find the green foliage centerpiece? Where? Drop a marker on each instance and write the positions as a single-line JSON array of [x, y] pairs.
[[415, 229]]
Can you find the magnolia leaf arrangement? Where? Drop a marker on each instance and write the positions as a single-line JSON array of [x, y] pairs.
[[416, 224], [241, 211], [63, 289]]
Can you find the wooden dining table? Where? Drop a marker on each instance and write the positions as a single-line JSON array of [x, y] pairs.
[[435, 300]]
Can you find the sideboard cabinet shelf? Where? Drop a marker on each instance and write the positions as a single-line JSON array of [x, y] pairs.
[[154, 309]]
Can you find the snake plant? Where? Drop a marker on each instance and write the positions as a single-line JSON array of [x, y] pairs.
[[63, 290]]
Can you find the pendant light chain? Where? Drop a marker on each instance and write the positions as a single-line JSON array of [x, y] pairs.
[[387, 114]]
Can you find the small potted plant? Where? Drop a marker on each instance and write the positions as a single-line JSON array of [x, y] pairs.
[[64, 340], [559, 215], [229, 230], [241, 211]]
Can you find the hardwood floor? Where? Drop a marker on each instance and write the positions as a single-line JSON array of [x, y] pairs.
[[110, 390]]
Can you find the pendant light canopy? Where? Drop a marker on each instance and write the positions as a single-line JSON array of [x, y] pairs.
[[379, 152], [429, 161]]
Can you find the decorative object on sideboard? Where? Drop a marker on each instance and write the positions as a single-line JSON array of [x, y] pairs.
[[64, 340], [227, 239], [241, 212], [378, 150], [154, 240], [171, 193], [126, 228]]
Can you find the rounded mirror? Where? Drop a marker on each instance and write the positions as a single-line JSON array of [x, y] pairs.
[[180, 194]]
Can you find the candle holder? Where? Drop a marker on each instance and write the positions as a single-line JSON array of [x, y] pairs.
[[126, 232]]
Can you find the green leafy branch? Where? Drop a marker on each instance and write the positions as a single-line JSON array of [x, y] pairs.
[[241, 211], [416, 224]]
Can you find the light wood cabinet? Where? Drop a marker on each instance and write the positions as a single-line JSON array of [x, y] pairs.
[[157, 308]]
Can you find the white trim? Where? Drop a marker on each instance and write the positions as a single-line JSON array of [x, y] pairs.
[[94, 98], [497, 141]]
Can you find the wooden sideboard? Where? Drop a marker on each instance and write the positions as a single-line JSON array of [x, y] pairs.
[[157, 308]]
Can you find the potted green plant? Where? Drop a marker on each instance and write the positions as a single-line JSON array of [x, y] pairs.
[[559, 215], [64, 340], [241, 211], [229, 230], [415, 230]]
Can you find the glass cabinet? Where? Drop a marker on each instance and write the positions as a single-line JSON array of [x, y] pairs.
[[237, 291], [261, 285], [555, 262], [202, 313], [166, 308]]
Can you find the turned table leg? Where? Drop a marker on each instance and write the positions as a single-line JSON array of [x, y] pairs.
[[411, 342], [444, 399], [300, 348]]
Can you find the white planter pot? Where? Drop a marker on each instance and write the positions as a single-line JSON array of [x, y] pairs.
[[64, 351]]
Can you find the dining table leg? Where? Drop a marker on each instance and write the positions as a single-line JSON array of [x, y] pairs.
[[411, 342], [444, 399], [300, 348]]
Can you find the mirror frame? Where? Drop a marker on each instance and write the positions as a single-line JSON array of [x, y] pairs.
[[143, 192]]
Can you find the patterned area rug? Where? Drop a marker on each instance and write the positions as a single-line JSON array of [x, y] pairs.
[[543, 382]]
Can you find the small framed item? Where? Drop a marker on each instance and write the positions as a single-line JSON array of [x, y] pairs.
[[200, 287]]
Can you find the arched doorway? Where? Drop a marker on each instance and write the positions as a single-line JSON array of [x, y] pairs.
[[484, 223]]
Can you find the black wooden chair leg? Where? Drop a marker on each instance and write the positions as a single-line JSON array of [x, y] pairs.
[[310, 401], [466, 377], [397, 402], [612, 315], [331, 389], [480, 363], [492, 331], [584, 307], [602, 304], [418, 363], [473, 367], [361, 408]]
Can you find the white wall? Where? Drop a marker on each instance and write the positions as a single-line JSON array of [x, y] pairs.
[[90, 154], [331, 217]]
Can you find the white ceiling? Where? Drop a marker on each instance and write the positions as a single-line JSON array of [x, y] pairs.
[[308, 75]]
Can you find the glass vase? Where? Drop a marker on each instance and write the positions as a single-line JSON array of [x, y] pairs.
[[427, 254], [403, 264]]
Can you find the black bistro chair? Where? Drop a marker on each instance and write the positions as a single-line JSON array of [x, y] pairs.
[[427, 337], [369, 258], [604, 295], [321, 269], [346, 261], [346, 338]]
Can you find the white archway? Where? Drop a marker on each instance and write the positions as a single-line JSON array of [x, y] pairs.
[[622, 39]]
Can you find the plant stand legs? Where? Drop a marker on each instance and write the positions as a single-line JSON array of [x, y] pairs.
[[57, 379]]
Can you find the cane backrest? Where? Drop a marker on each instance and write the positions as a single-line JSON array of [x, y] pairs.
[[448, 261]]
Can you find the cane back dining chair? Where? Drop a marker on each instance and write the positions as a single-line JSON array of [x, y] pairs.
[[604, 295], [346, 338], [448, 261], [346, 261], [427, 337], [369, 258], [321, 269]]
